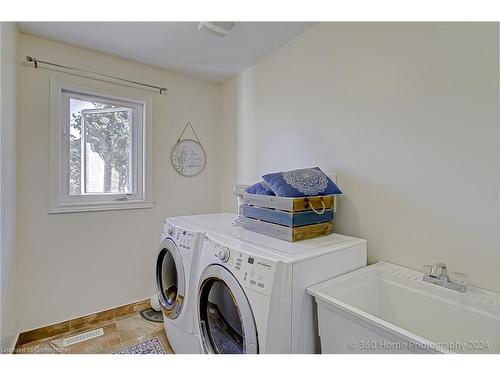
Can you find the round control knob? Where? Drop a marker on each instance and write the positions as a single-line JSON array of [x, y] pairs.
[[170, 231], [224, 254]]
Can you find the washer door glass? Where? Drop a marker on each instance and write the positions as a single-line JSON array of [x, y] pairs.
[[170, 282], [226, 320]]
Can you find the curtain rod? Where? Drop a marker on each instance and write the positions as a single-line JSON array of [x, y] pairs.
[[163, 90]]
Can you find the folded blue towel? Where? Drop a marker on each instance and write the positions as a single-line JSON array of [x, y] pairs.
[[301, 183]]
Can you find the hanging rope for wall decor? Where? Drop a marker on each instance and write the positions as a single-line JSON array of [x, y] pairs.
[[37, 62], [192, 129]]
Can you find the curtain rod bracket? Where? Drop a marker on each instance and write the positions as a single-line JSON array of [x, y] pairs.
[[163, 90], [34, 61]]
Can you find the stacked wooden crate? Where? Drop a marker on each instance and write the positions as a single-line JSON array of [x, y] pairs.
[[289, 219]]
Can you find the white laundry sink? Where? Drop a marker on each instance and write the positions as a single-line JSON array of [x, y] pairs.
[[385, 308]]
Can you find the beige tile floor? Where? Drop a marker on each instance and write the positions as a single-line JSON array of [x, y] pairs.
[[119, 334]]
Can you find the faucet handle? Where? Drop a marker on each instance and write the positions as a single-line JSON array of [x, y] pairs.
[[426, 269]]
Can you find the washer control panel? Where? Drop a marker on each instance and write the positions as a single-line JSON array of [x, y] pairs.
[[224, 254], [252, 271], [184, 239]]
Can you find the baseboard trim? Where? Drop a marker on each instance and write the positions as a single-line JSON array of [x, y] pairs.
[[83, 321]]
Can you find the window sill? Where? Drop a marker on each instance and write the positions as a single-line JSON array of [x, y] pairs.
[[108, 206]]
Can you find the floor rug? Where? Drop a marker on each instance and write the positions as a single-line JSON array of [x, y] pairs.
[[152, 315], [152, 346]]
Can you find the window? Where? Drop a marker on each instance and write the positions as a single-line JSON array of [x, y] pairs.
[[101, 161]]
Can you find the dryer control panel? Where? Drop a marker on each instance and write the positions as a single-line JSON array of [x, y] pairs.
[[252, 271]]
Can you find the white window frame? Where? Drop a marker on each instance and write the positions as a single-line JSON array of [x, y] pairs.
[[60, 199]]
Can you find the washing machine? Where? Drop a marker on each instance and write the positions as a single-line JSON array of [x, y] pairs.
[[176, 268], [251, 294]]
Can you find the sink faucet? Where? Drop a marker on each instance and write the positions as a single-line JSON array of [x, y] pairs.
[[442, 269], [437, 274]]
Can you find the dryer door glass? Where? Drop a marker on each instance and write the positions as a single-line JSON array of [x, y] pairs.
[[226, 320], [222, 318], [170, 280]]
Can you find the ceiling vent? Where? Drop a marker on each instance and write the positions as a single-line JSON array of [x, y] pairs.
[[220, 29]]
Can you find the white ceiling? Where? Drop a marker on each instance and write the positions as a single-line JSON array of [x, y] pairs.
[[176, 46]]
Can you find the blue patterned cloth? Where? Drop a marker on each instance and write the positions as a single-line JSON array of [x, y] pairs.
[[301, 183], [152, 346], [260, 188]]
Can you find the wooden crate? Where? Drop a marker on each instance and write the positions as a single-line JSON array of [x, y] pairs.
[[290, 204], [290, 234], [289, 219]]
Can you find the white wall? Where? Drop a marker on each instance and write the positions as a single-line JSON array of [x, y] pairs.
[[406, 114], [8, 66], [79, 263]]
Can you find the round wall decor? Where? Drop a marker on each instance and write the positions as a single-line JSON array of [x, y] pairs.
[[188, 156]]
